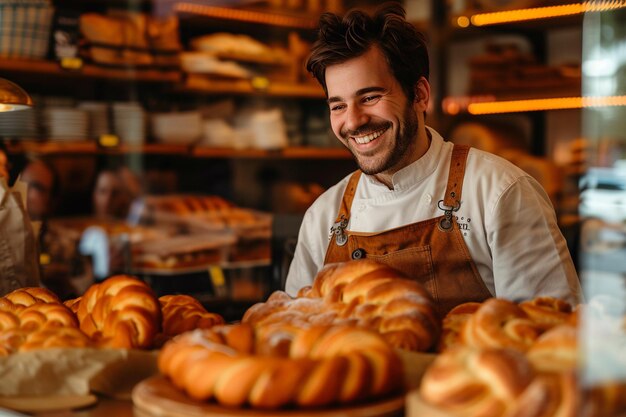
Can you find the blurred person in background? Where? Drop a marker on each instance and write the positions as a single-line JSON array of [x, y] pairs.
[[111, 196], [465, 223], [43, 188]]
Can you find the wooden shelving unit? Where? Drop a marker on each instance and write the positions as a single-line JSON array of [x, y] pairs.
[[91, 148], [54, 69]]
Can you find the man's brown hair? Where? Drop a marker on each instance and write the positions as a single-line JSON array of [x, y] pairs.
[[341, 39]]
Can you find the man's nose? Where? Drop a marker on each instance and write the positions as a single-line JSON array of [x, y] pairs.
[[355, 118]]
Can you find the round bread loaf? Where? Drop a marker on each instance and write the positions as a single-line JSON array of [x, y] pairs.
[[122, 311], [363, 292], [278, 366]]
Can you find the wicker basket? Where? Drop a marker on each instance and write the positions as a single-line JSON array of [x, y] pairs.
[[25, 28]]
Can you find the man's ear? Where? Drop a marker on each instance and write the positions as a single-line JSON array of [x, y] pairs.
[[422, 93]]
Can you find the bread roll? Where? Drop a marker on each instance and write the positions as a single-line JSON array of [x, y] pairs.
[[472, 382], [499, 323], [183, 312], [122, 312]]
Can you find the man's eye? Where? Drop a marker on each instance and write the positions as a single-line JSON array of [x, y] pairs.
[[370, 99], [337, 107]]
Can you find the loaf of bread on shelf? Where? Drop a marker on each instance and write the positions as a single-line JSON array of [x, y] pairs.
[[122, 311], [183, 312], [362, 292], [314, 367]]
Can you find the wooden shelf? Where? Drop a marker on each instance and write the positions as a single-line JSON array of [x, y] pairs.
[[52, 68], [242, 16], [204, 85], [91, 148]]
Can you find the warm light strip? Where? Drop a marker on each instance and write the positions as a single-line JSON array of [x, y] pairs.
[[545, 104], [484, 19], [246, 16]]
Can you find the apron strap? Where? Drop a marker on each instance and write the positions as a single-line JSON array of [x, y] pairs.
[[348, 196], [452, 198]]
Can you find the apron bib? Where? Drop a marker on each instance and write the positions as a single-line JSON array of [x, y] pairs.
[[432, 251]]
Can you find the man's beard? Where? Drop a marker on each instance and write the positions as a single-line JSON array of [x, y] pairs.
[[405, 138]]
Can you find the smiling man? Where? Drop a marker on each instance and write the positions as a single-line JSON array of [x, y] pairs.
[[466, 224]]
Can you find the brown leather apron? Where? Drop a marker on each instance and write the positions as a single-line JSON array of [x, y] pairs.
[[432, 251]]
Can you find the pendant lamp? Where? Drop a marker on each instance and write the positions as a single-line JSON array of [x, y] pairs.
[[13, 97]]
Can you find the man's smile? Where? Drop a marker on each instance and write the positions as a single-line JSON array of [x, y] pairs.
[[369, 137]]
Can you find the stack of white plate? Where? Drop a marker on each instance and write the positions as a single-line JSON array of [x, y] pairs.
[[129, 122], [62, 123], [18, 124], [98, 117]]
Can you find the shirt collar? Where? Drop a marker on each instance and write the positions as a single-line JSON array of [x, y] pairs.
[[416, 171]]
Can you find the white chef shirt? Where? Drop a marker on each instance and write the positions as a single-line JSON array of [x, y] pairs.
[[506, 219]]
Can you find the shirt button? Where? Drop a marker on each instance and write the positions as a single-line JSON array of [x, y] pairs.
[[428, 198], [362, 207]]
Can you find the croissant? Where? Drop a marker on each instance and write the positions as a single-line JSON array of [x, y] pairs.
[[322, 365], [361, 292], [122, 311]]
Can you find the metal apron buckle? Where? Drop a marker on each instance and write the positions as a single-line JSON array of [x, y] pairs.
[[445, 224], [338, 230]]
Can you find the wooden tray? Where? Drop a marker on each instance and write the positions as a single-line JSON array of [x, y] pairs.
[[157, 397], [51, 403]]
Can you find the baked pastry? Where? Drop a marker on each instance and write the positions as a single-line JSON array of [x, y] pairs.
[[8, 320], [550, 395], [362, 292], [41, 316], [51, 337], [453, 323], [500, 323], [323, 365], [476, 381], [547, 311], [122, 312], [556, 350], [183, 312], [23, 297]]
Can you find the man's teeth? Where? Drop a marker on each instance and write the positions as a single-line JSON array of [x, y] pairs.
[[368, 138]]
